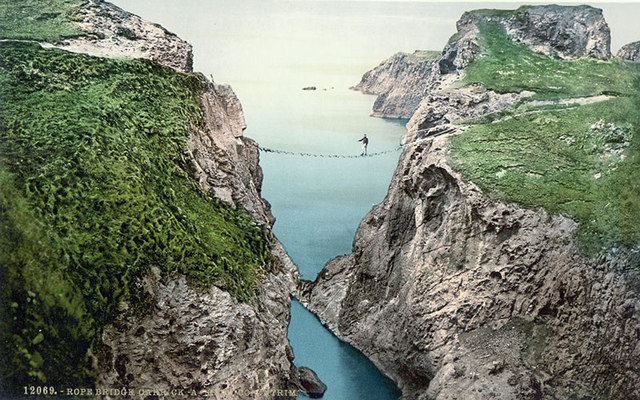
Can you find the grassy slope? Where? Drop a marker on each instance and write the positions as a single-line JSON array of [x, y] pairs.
[[424, 55], [94, 192], [581, 161], [38, 20]]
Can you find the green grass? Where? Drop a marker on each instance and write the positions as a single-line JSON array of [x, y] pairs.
[[50, 20], [425, 55], [582, 161], [508, 66], [94, 192]]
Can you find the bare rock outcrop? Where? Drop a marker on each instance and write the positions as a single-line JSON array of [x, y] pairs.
[[400, 83], [560, 31], [198, 343], [566, 32], [630, 52], [456, 295], [113, 32]]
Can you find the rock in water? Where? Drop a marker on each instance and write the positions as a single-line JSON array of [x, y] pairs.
[[630, 52], [309, 382]]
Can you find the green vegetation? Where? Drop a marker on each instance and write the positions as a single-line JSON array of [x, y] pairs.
[[38, 20], [507, 66], [580, 160], [424, 55], [94, 192]]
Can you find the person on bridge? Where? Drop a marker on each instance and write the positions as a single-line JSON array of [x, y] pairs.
[[365, 143]]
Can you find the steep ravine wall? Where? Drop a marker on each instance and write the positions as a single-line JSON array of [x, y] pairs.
[[195, 342], [205, 342], [457, 295]]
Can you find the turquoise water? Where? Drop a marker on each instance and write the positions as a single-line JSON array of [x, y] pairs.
[[268, 50], [348, 374], [318, 204]]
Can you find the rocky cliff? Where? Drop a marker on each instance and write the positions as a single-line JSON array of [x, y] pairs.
[[459, 291], [399, 82], [176, 337], [198, 342], [630, 52]]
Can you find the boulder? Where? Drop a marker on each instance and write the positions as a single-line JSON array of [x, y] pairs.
[[310, 384]]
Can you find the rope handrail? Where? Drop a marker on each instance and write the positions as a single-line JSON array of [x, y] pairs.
[[323, 155], [442, 132]]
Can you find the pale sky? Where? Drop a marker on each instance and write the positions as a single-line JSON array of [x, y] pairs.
[[494, 1]]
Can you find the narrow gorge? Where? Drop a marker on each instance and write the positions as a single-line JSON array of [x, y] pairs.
[[138, 248]]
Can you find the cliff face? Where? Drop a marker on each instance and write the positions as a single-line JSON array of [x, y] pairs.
[[205, 342], [456, 294], [192, 341], [400, 83], [630, 52]]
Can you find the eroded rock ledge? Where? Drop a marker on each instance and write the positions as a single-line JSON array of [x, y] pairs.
[[630, 52], [113, 32]]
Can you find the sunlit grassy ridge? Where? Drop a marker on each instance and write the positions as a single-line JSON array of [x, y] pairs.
[[50, 20], [582, 161], [424, 55], [508, 66], [94, 192]]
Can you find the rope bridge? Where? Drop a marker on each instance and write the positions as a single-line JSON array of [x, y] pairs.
[[441, 130], [295, 153]]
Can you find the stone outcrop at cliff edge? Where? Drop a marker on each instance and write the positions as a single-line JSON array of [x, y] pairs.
[[400, 82], [113, 32], [630, 52]]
